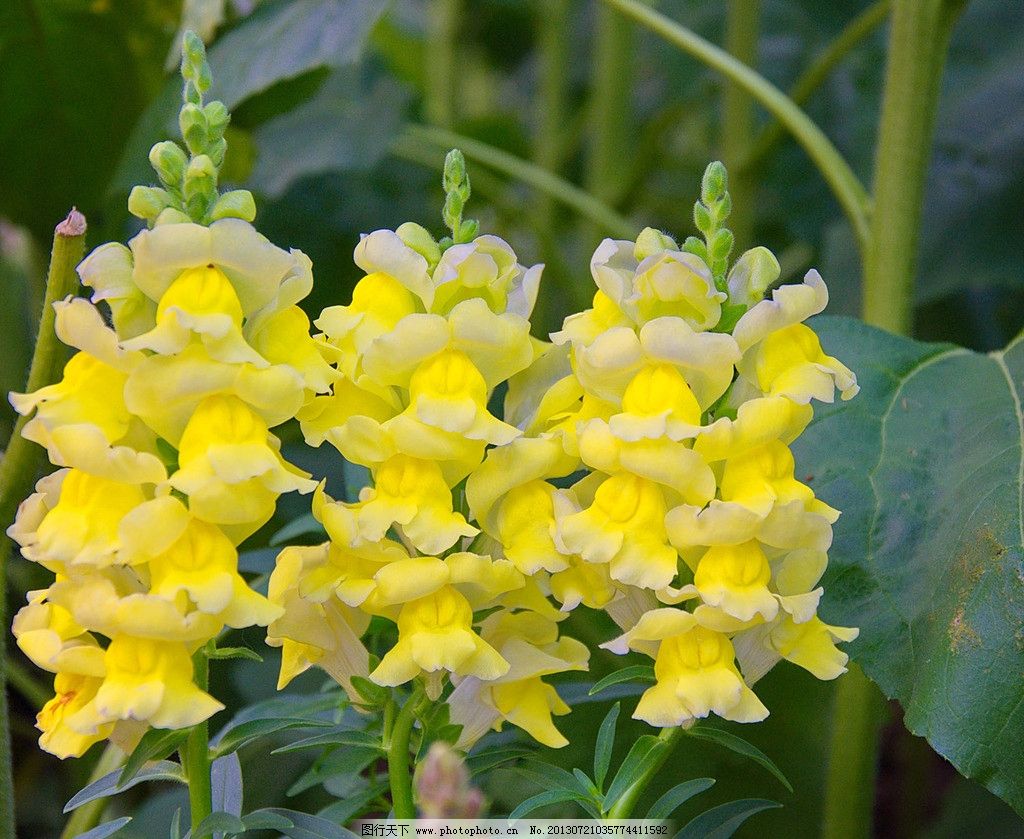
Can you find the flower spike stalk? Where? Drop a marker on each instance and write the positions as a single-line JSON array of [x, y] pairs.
[[160, 429]]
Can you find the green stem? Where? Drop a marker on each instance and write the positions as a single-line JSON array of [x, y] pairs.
[[195, 755], [742, 27], [89, 815], [848, 190], [25, 682], [918, 40], [857, 716], [440, 73], [610, 108], [812, 78], [623, 807], [23, 459], [399, 763], [552, 49], [574, 197]]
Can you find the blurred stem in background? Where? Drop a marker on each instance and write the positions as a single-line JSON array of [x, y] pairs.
[[552, 78], [742, 28], [918, 42], [90, 814], [441, 93], [195, 754], [610, 112], [853, 34], [23, 459]]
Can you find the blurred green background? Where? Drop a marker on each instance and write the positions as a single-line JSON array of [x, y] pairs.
[[330, 99]]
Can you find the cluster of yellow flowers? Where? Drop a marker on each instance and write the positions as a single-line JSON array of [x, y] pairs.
[[427, 338], [642, 467], [161, 428]]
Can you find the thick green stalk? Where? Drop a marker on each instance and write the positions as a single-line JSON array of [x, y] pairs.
[[399, 764], [610, 107], [440, 72], [857, 717], [623, 808], [89, 815], [742, 28], [918, 41], [23, 459], [552, 93], [837, 172], [531, 175], [195, 755], [820, 69]]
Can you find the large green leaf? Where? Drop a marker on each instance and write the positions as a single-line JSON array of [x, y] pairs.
[[926, 465], [279, 42]]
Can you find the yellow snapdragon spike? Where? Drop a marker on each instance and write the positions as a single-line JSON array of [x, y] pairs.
[[283, 338], [203, 563], [72, 693], [696, 675], [412, 493], [666, 282], [200, 304], [526, 528], [379, 302], [435, 634], [735, 579], [230, 465], [763, 477], [657, 403], [624, 527], [487, 269], [448, 392], [323, 633], [149, 681], [52, 640], [164, 391], [791, 363], [82, 527]]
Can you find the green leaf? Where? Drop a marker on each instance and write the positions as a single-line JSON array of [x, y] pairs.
[[544, 799], [926, 465], [106, 829], [265, 820], [278, 42], [677, 796], [371, 692], [303, 825], [348, 125], [349, 761], [484, 761], [226, 784], [234, 652], [156, 744], [162, 770], [232, 738], [219, 822], [639, 672], [741, 747], [643, 751], [723, 821], [553, 777], [342, 736], [604, 746], [343, 811]]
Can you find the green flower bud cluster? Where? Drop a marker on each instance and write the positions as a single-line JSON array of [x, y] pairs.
[[188, 177], [457, 192], [709, 215]]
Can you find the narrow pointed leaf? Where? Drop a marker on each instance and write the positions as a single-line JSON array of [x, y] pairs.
[[544, 799], [102, 831], [741, 747], [156, 744], [604, 746], [723, 821], [677, 796], [161, 770], [643, 751], [637, 673]]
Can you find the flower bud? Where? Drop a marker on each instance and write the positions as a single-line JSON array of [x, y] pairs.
[[194, 128], [652, 241], [147, 202], [169, 161], [442, 786], [419, 239]]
